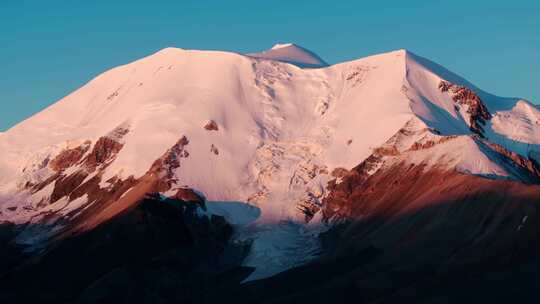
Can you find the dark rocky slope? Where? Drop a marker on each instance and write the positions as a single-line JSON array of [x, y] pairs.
[[401, 235], [158, 250]]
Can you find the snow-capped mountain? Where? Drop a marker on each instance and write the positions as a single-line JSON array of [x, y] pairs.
[[265, 138], [293, 54]]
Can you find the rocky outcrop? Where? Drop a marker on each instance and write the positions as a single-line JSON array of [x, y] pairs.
[[122, 194], [65, 185], [99, 199], [76, 183], [309, 206], [103, 152], [189, 195], [106, 148], [165, 166], [211, 126], [392, 160], [416, 146], [476, 108], [527, 165], [339, 172], [69, 157]]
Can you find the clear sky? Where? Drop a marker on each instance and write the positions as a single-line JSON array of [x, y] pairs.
[[50, 48]]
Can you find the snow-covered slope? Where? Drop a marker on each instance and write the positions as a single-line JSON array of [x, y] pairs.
[[240, 129], [292, 53]]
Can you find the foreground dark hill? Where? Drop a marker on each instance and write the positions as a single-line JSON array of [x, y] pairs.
[[155, 250]]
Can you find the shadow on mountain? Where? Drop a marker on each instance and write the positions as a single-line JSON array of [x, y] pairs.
[[528, 149], [452, 125], [477, 246], [160, 250], [466, 252], [236, 213]]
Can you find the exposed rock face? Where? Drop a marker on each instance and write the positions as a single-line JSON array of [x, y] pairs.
[[430, 143], [103, 152], [475, 107], [100, 200], [211, 126], [309, 206], [214, 149], [389, 166], [189, 195], [528, 165], [339, 172], [65, 185], [165, 166], [123, 194], [69, 157], [76, 183]]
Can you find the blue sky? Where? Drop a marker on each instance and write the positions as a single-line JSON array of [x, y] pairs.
[[50, 48]]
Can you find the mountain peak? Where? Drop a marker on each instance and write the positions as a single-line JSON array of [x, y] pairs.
[[263, 143], [282, 45], [293, 54]]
